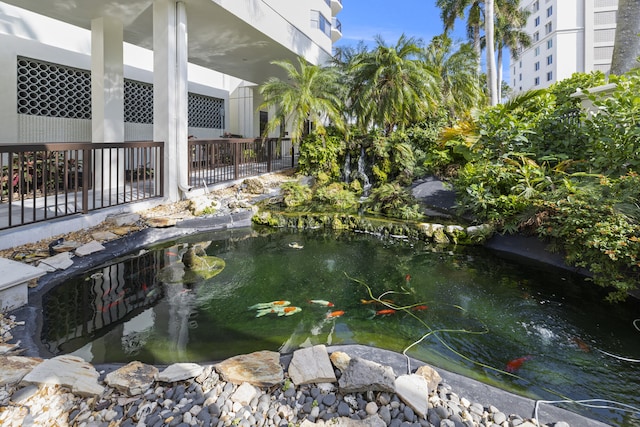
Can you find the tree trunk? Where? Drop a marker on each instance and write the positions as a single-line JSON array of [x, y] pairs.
[[477, 48], [499, 76], [627, 44], [489, 17]]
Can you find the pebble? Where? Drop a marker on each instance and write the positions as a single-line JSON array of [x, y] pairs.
[[205, 401]]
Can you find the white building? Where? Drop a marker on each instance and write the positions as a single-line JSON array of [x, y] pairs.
[[163, 70], [568, 36]]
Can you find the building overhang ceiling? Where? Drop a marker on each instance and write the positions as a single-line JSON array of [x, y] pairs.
[[218, 39]]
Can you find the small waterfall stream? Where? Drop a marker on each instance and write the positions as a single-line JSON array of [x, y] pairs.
[[366, 184]]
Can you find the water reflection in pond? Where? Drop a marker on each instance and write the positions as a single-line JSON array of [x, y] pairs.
[[530, 329]]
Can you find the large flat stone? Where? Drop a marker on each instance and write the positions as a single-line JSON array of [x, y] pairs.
[[61, 261], [68, 371], [261, 369], [14, 368], [89, 248], [372, 421], [413, 391], [364, 375], [180, 372], [14, 278], [311, 366], [133, 378]]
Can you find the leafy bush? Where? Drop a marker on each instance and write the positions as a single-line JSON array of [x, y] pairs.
[[319, 155], [295, 194], [338, 196], [394, 201]]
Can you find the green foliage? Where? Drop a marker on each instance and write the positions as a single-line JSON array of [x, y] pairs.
[[394, 201], [596, 224], [319, 156], [294, 194], [539, 163], [338, 196]]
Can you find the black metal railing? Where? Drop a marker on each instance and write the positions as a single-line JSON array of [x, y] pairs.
[[217, 160], [39, 182]]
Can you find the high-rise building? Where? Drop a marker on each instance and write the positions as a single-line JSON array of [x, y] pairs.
[[567, 36]]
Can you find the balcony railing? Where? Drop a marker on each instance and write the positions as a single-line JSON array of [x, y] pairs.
[[39, 182], [336, 30], [218, 160]]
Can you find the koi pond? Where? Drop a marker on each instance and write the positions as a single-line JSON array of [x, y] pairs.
[[531, 329]]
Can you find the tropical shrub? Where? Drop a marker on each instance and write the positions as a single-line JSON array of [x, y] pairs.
[[295, 194], [319, 155], [394, 201], [337, 196]]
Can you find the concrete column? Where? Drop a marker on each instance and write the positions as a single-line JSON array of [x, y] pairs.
[[170, 92], [107, 104], [107, 80]]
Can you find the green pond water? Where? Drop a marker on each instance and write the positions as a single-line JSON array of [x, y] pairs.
[[459, 308]]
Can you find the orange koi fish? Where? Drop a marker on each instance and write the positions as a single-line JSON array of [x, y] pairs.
[[334, 314], [385, 312], [419, 307], [321, 302], [407, 278], [581, 344], [515, 364]]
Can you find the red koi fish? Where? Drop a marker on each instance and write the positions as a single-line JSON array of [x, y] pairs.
[[515, 364], [407, 278], [336, 313], [419, 308], [385, 312]]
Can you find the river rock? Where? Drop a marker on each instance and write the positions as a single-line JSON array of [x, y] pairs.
[[431, 375], [68, 371], [261, 369], [133, 378], [340, 360], [244, 394], [373, 421], [311, 365], [364, 375]]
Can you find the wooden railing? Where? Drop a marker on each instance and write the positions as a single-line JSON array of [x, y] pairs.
[[218, 160], [39, 182]]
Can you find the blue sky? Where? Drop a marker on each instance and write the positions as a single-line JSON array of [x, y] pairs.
[[364, 19]]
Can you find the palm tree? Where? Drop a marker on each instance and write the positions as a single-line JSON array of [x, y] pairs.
[[626, 50], [489, 21], [454, 9], [311, 93], [510, 21], [459, 84], [390, 87]]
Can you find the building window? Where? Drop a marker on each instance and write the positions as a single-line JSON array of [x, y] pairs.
[[536, 36], [520, 77], [548, 27], [536, 81], [536, 6], [320, 22], [536, 21], [550, 76], [549, 43], [549, 11], [536, 51], [549, 59], [536, 66], [520, 64]]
